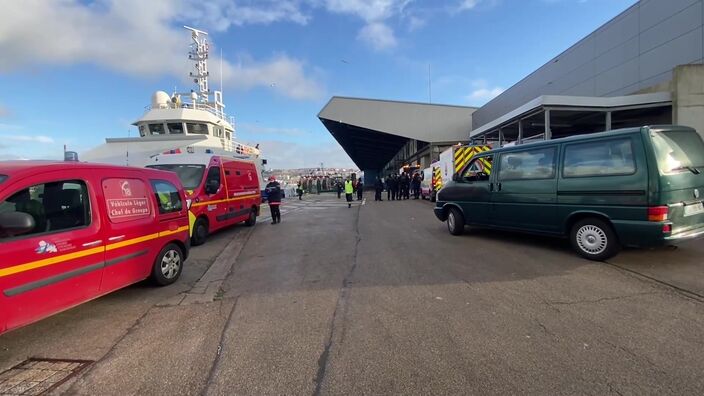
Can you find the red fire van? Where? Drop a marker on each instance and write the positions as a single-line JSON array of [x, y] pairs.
[[222, 190], [71, 232]]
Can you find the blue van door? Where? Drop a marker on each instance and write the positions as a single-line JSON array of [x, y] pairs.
[[525, 190]]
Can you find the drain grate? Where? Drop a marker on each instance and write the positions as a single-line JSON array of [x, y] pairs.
[[38, 376]]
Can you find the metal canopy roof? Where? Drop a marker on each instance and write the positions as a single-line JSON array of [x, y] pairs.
[[373, 131], [576, 102]]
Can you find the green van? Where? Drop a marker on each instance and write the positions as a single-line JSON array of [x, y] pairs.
[[630, 187]]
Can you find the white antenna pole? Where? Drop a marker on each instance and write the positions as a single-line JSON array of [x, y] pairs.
[[220, 71]]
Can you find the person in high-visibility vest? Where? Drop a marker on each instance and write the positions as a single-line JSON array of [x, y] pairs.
[[349, 190]]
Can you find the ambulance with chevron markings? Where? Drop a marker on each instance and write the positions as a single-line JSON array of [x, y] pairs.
[[452, 161]]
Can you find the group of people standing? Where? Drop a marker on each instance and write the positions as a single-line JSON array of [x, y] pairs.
[[398, 187]]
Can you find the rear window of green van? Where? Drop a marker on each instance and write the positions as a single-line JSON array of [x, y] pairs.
[[678, 151]]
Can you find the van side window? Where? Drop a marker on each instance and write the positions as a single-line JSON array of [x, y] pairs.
[[167, 197], [213, 176], [601, 158], [126, 199], [529, 164], [478, 169], [55, 206]]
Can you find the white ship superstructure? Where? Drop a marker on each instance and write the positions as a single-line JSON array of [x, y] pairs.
[[189, 122]]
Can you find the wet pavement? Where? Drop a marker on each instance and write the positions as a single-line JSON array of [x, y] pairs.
[[380, 299]]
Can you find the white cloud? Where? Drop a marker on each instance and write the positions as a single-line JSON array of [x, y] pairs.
[[142, 37], [287, 155], [27, 138], [281, 74], [221, 14], [378, 35], [376, 32], [415, 23], [467, 4], [482, 92], [4, 111]]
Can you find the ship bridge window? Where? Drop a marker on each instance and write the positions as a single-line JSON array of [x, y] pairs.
[[218, 132], [156, 129], [201, 129], [175, 128], [142, 130], [228, 135]]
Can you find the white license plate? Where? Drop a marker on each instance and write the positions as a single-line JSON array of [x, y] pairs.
[[694, 209]]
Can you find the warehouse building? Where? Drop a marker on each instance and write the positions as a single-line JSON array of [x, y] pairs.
[[645, 66]]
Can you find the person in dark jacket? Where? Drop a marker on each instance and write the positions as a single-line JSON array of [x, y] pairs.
[[395, 188], [415, 184], [273, 190], [360, 189], [338, 187], [299, 191], [378, 189], [388, 187]]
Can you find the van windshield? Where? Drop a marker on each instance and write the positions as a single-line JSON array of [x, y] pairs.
[[190, 175], [678, 151]]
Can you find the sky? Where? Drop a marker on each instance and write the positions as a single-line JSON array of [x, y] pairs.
[[75, 72]]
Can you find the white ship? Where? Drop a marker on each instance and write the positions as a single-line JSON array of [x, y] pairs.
[[191, 122]]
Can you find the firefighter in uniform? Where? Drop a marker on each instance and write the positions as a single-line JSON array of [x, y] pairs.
[[273, 189]]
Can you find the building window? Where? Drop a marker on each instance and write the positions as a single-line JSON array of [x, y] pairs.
[[54, 206], [175, 128], [527, 165], [200, 129], [600, 158], [167, 197], [156, 129]]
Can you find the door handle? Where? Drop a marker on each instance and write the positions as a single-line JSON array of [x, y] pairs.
[[116, 238], [499, 186], [491, 186], [94, 243]]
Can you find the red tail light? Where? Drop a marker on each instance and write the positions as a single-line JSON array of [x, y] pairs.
[[666, 228], [657, 213]]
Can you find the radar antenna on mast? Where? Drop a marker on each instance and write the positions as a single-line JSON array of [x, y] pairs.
[[199, 54]]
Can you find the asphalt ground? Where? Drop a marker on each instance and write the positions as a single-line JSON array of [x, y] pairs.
[[380, 299]]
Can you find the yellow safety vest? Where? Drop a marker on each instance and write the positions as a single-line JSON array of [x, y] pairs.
[[348, 187]]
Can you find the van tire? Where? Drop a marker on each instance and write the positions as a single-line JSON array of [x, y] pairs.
[[455, 221], [200, 232], [168, 265], [594, 239], [252, 220]]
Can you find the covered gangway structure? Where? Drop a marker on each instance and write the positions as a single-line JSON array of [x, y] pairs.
[[381, 136]]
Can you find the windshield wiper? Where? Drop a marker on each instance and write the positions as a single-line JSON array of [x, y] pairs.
[[689, 168]]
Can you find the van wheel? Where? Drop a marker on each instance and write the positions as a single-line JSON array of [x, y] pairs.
[[594, 239], [168, 265], [252, 220], [455, 221], [200, 232]]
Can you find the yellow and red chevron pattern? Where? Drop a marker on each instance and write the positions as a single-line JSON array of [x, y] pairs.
[[465, 153]]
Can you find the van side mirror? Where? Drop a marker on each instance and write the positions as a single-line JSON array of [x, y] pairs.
[[16, 223], [212, 186]]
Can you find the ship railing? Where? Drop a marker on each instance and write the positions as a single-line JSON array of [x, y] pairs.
[[195, 106]]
